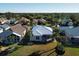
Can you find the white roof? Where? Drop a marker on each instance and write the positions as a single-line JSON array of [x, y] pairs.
[[41, 30]]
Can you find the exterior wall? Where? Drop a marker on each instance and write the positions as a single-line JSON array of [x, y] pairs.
[[73, 41], [40, 38], [33, 38], [23, 33]]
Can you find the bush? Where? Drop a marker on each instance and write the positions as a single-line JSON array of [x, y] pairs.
[[60, 50]]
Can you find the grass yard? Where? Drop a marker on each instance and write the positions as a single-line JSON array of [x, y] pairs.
[[71, 51], [45, 49]]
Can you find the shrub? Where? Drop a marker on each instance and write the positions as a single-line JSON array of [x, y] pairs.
[[60, 49]]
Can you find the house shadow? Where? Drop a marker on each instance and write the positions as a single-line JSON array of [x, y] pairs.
[[72, 46], [35, 53], [28, 42], [41, 43]]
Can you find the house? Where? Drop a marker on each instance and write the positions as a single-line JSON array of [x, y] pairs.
[[73, 35], [3, 20], [66, 24], [24, 21], [18, 30], [41, 33], [12, 21], [63, 28], [4, 35], [7, 37], [37, 21], [11, 34]]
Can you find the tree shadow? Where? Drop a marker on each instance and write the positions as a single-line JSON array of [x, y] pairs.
[[8, 51], [50, 53], [37, 53]]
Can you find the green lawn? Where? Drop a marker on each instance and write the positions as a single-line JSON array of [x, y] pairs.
[[70, 51], [45, 49]]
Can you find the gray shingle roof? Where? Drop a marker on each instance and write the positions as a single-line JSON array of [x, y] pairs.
[[5, 26], [5, 34], [73, 31]]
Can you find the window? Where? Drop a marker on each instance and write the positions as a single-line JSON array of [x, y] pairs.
[[37, 37], [45, 36]]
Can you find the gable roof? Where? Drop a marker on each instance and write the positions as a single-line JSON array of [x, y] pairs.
[[41, 30], [5, 26], [18, 28], [39, 20], [65, 27], [5, 33], [3, 20], [73, 32]]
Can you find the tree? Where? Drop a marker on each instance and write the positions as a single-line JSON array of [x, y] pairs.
[[9, 15], [75, 19], [59, 49]]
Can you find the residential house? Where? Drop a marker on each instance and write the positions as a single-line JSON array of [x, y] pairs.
[[24, 21], [37, 21], [4, 32], [18, 30], [73, 35], [12, 21], [4, 35], [11, 34], [41, 33], [3, 20], [66, 25]]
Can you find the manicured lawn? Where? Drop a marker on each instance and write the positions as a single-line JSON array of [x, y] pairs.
[[70, 51], [45, 49]]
